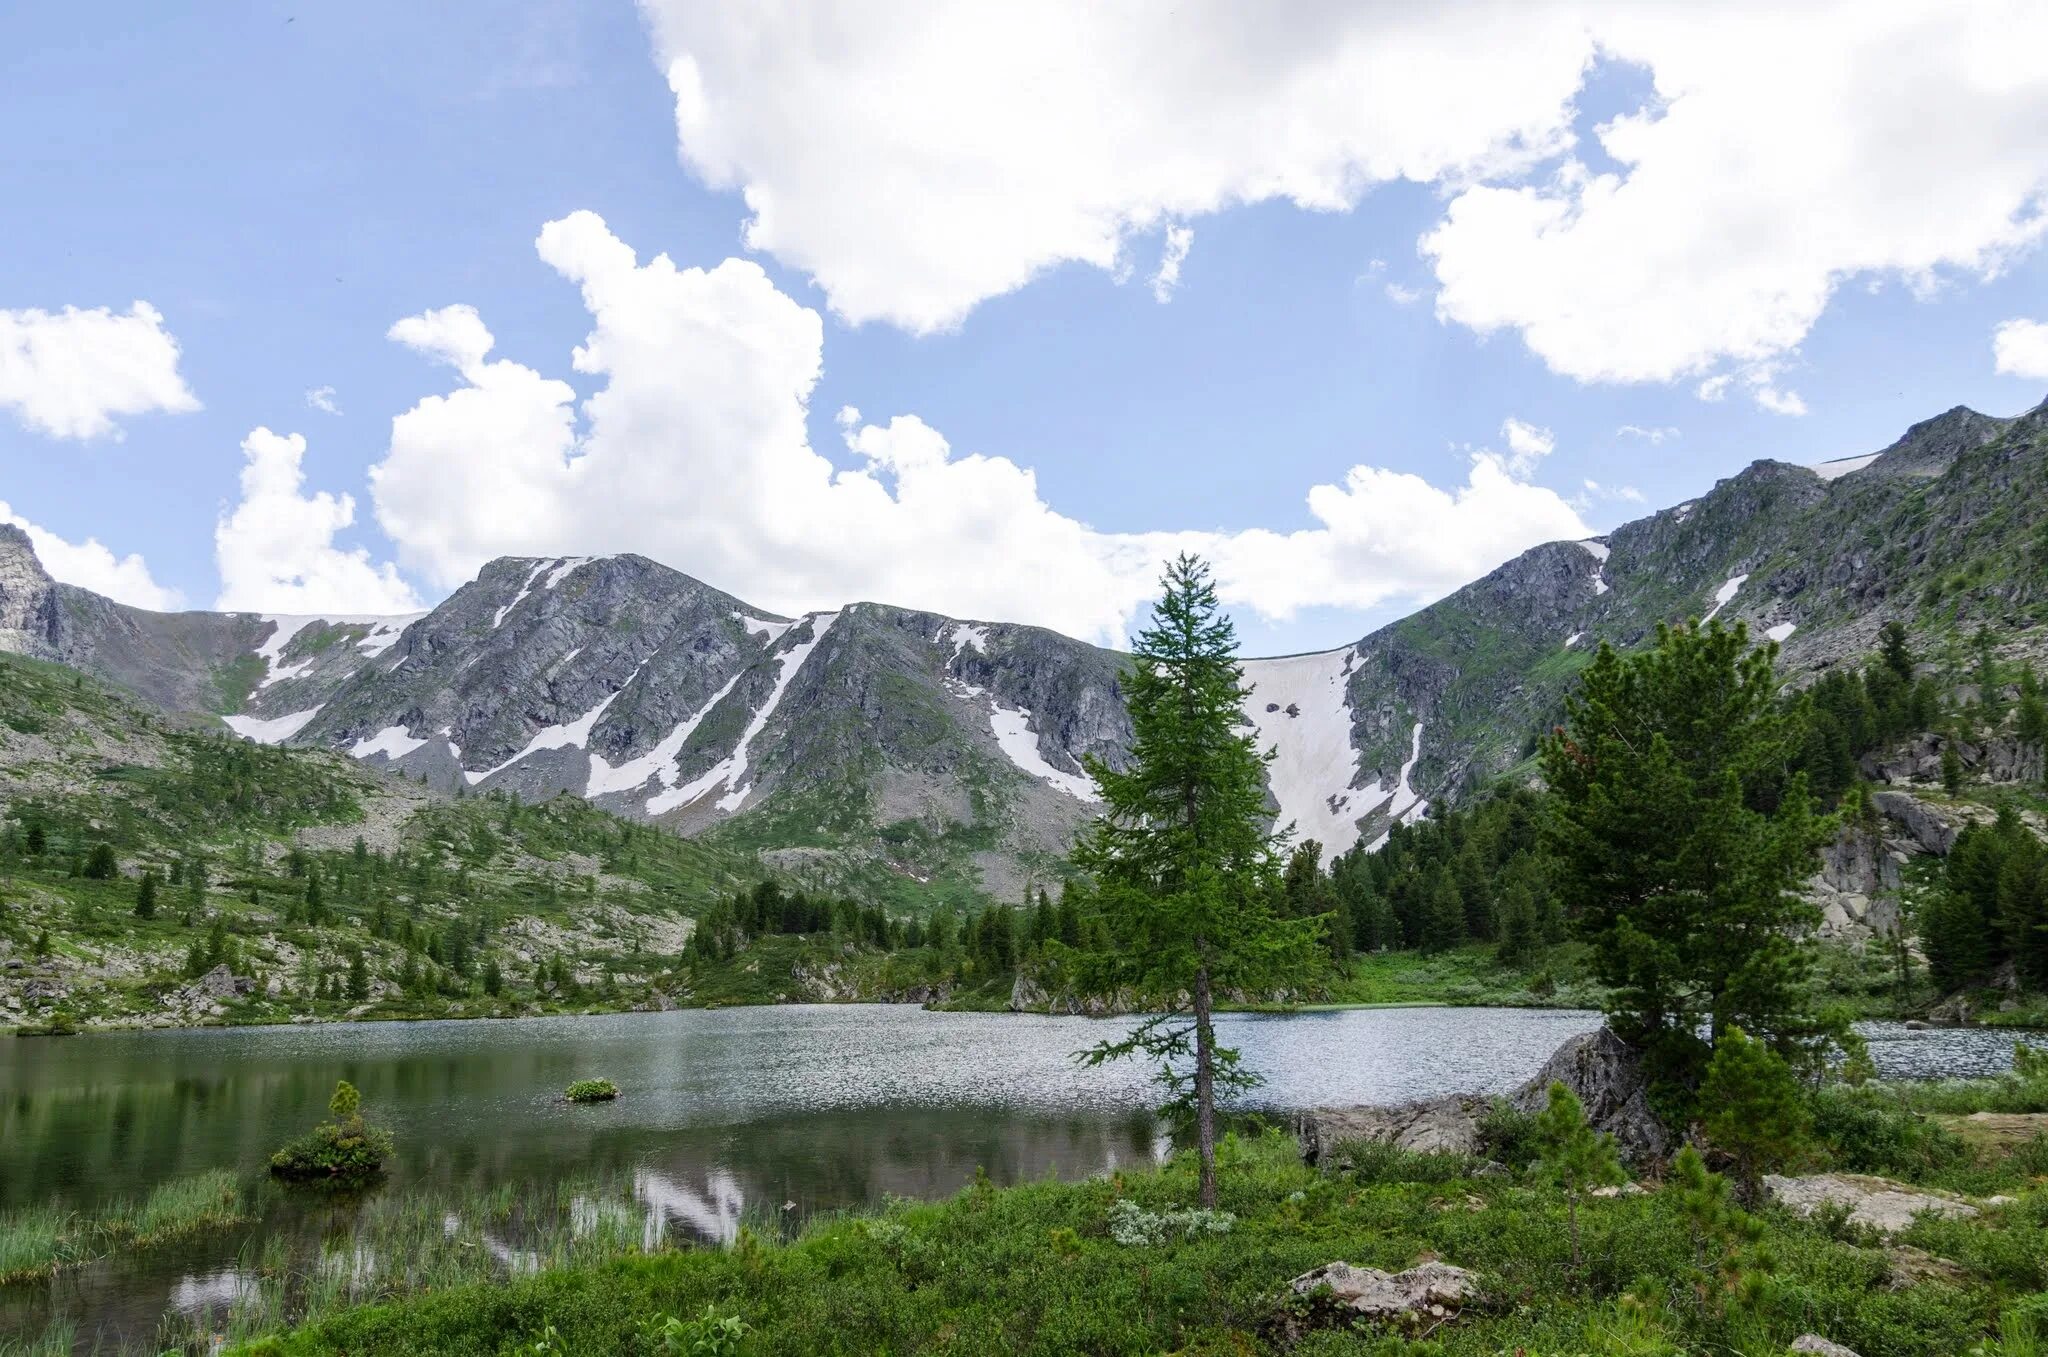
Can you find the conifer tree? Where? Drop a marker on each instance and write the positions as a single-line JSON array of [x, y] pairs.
[[145, 897], [1681, 839], [358, 977], [1183, 861], [1951, 766], [1898, 654], [1754, 1109], [1573, 1155]]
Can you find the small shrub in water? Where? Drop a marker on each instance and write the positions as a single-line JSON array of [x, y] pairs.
[[591, 1091], [345, 1147]]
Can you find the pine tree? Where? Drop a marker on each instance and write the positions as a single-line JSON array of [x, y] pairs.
[[2033, 711], [1951, 766], [1755, 1111], [1680, 844], [358, 977], [494, 979], [1183, 861], [1898, 655], [1443, 920], [145, 897], [1573, 1155]]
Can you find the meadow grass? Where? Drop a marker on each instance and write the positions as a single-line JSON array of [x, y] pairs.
[[1039, 1268], [37, 1241]]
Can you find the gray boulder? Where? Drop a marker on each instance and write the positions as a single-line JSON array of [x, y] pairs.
[[1607, 1075], [1820, 1347], [1338, 1292], [1878, 1203]]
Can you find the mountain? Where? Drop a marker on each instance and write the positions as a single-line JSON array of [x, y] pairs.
[[895, 750]]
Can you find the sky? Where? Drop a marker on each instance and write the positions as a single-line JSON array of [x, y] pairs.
[[316, 307]]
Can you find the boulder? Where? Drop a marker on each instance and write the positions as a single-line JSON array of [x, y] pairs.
[[1607, 1075], [1908, 1267], [1604, 1071], [1820, 1347], [1433, 1125], [1424, 1295], [1878, 1203], [1926, 829]]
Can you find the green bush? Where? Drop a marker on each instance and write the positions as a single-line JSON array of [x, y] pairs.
[[345, 1147], [591, 1091]]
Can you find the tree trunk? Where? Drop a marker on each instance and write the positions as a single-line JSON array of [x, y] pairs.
[[1205, 1087]]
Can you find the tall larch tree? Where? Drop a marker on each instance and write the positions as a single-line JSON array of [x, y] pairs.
[[1183, 863]]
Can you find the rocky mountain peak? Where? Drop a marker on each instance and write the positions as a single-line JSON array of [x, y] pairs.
[[28, 617], [1932, 446]]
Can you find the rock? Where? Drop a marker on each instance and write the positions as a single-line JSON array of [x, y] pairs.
[[1820, 1347], [1878, 1203], [1620, 1190], [1927, 829], [1911, 1267], [1428, 1293], [1434, 1125], [1607, 1075]]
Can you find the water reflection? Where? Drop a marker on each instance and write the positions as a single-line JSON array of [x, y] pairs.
[[759, 1118]]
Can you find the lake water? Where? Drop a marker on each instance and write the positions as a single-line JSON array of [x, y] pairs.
[[762, 1114]]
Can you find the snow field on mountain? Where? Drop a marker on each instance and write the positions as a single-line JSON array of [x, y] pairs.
[[1300, 707]]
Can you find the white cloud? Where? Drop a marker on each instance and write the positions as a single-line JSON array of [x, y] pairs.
[[919, 159], [693, 450], [321, 398], [2020, 348], [916, 160], [87, 564], [276, 549], [1175, 253], [1653, 436], [1527, 444], [71, 373], [1403, 296]]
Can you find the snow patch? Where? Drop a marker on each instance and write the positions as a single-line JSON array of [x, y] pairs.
[[1599, 551], [1012, 729], [567, 566], [658, 762], [1573, 639], [1011, 726], [1842, 466], [731, 771], [1724, 596], [276, 730], [1684, 511], [1404, 807], [498, 618], [1781, 632], [771, 632], [1301, 707], [384, 633], [393, 742], [574, 735]]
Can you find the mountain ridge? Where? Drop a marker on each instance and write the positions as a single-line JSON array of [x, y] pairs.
[[875, 738]]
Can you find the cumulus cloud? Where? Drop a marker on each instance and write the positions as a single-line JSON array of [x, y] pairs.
[[1654, 436], [275, 549], [2020, 348], [1175, 253], [72, 373], [916, 160], [89, 565], [693, 450], [321, 398]]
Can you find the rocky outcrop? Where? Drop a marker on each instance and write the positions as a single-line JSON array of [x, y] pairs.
[[1607, 1075], [1878, 1203], [1340, 1295], [1604, 1071], [1817, 1346]]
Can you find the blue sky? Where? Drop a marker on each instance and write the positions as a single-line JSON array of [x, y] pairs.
[[282, 183]]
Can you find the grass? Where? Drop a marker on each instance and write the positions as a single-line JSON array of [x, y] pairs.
[[1049, 1268], [37, 1242]]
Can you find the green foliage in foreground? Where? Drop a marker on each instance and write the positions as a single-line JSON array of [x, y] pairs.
[[591, 1091], [1059, 1268]]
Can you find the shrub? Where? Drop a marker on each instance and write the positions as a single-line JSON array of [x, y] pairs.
[[346, 1147], [591, 1091]]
